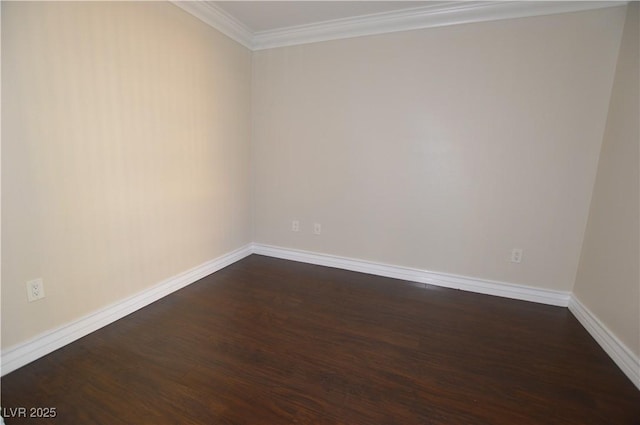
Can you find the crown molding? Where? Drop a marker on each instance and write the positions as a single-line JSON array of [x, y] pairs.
[[431, 16], [417, 18], [217, 18]]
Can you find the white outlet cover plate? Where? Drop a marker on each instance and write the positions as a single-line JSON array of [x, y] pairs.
[[35, 290], [516, 255]]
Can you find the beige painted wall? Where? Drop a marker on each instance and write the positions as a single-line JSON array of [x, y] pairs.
[[125, 153], [608, 280], [440, 149]]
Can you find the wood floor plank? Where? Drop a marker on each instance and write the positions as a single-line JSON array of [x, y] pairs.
[[267, 341]]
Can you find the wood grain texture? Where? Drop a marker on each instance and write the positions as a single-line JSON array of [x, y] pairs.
[[269, 341]]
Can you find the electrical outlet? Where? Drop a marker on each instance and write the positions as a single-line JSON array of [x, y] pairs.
[[317, 228], [295, 226], [35, 290], [516, 255]]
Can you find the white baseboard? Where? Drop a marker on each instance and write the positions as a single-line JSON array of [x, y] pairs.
[[482, 286], [626, 360], [41, 345]]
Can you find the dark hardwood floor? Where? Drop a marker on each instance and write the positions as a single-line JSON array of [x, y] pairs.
[[268, 341]]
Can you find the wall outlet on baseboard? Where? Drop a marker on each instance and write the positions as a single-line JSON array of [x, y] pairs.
[[516, 255], [317, 228], [295, 226], [35, 290]]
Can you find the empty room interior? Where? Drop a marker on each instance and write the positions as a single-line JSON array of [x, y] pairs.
[[320, 212]]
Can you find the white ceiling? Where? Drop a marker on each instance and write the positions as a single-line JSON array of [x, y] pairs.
[[260, 16]]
